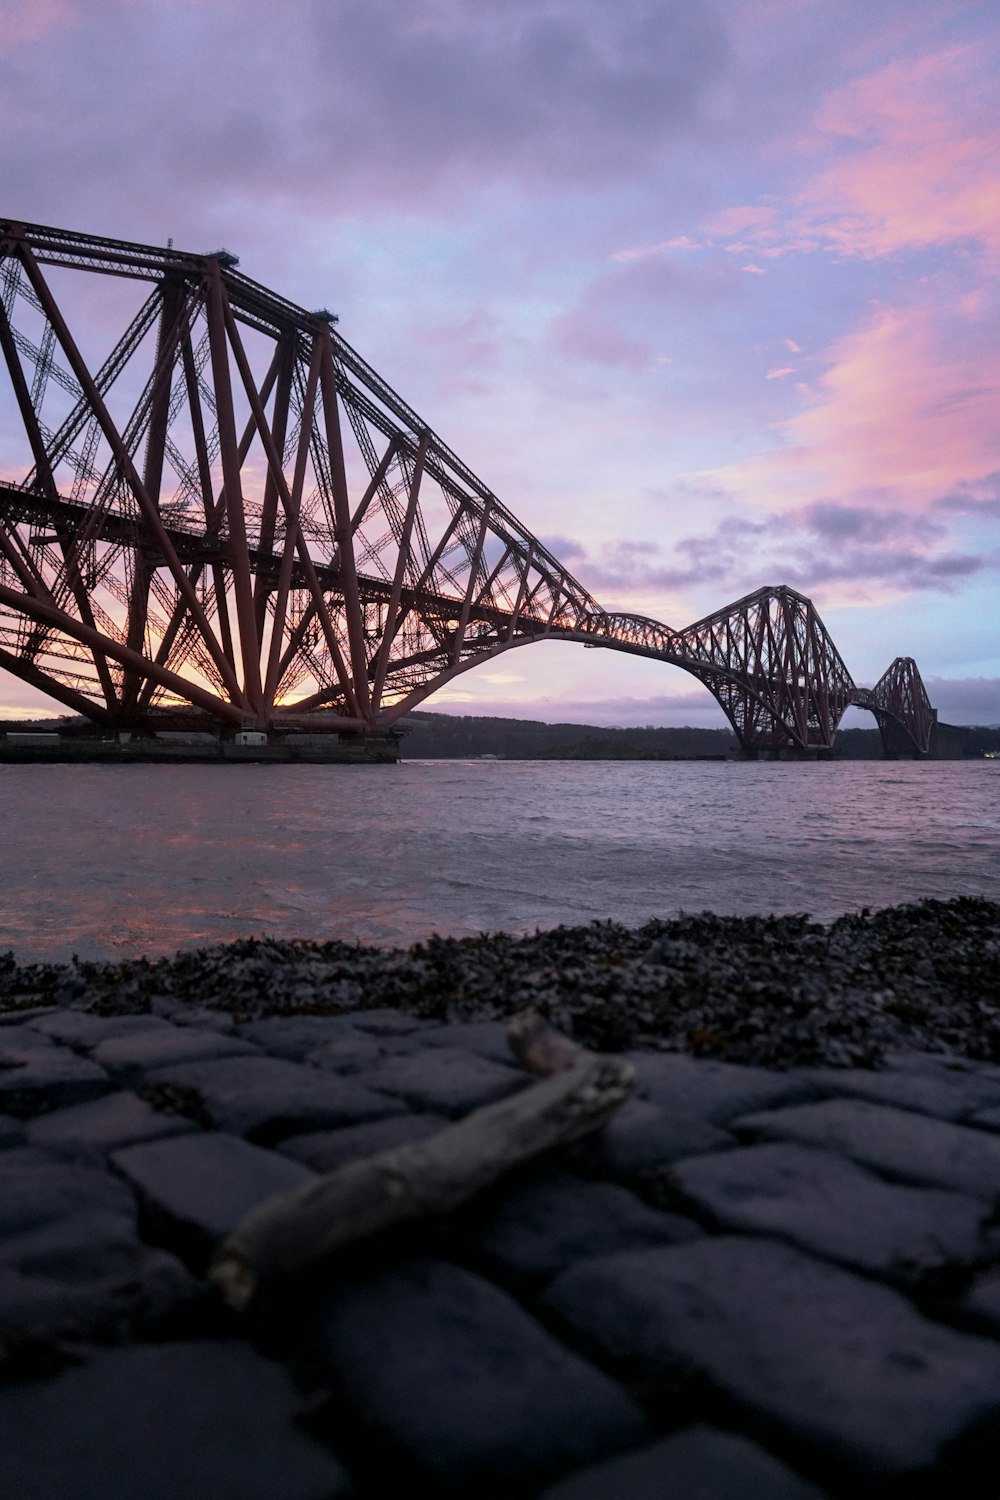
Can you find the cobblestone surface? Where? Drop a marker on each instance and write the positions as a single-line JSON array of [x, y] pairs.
[[753, 1283]]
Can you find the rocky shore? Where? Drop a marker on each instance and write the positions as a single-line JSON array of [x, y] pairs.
[[776, 1272]]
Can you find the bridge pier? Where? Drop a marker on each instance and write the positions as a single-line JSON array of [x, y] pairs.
[[786, 753], [898, 743]]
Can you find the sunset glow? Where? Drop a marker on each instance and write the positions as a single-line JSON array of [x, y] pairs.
[[707, 295]]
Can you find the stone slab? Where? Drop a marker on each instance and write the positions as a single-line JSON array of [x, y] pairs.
[[813, 1355], [486, 1038], [132, 1057], [700, 1088], [156, 1422], [36, 1078], [36, 1189], [700, 1463], [947, 1094], [140, 1293], [836, 1209], [451, 1378], [898, 1143], [36, 1312], [324, 1150], [84, 1031], [385, 1021], [195, 1188], [84, 1245], [20, 1033], [445, 1079], [205, 1017], [556, 1219], [981, 1304], [641, 1135], [103, 1125], [22, 1014], [70, 1256], [267, 1098], [298, 1038]]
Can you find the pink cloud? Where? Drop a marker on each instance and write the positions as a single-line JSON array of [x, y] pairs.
[[642, 252], [25, 21], [921, 162], [754, 220], [915, 148], [901, 410]]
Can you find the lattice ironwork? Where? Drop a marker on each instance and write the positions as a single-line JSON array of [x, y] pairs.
[[230, 519], [900, 703]]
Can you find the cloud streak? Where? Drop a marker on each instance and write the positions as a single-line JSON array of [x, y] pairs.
[[828, 550], [905, 407]]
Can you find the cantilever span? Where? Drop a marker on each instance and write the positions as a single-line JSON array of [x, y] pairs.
[[227, 518]]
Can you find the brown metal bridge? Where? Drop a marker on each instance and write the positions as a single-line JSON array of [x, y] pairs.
[[229, 520]]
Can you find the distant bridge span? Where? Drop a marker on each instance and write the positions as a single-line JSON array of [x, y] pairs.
[[227, 519]]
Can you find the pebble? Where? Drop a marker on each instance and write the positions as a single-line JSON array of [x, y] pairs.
[[777, 992]]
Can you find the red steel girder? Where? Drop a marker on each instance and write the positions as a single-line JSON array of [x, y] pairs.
[[201, 532]]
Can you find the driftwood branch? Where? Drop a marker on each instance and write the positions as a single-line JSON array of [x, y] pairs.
[[294, 1231]]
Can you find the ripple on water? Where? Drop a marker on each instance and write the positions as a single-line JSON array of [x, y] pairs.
[[115, 862]]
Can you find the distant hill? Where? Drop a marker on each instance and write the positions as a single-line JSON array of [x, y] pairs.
[[428, 736], [449, 736]]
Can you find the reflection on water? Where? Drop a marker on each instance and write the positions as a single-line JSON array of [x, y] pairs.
[[109, 861]]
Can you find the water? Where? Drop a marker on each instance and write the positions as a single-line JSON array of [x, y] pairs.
[[117, 861]]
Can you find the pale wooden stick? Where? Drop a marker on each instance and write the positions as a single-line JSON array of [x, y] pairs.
[[296, 1230]]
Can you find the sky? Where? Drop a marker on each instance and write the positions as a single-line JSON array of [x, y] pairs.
[[708, 294]]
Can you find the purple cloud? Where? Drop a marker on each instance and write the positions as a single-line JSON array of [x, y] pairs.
[[340, 106], [965, 700], [822, 545], [977, 499], [837, 522]]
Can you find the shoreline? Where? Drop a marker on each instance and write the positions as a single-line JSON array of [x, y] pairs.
[[779, 991]]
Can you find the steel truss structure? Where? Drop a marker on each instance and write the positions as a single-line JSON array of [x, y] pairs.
[[229, 519]]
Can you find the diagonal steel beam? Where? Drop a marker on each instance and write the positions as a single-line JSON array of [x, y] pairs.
[[150, 513]]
